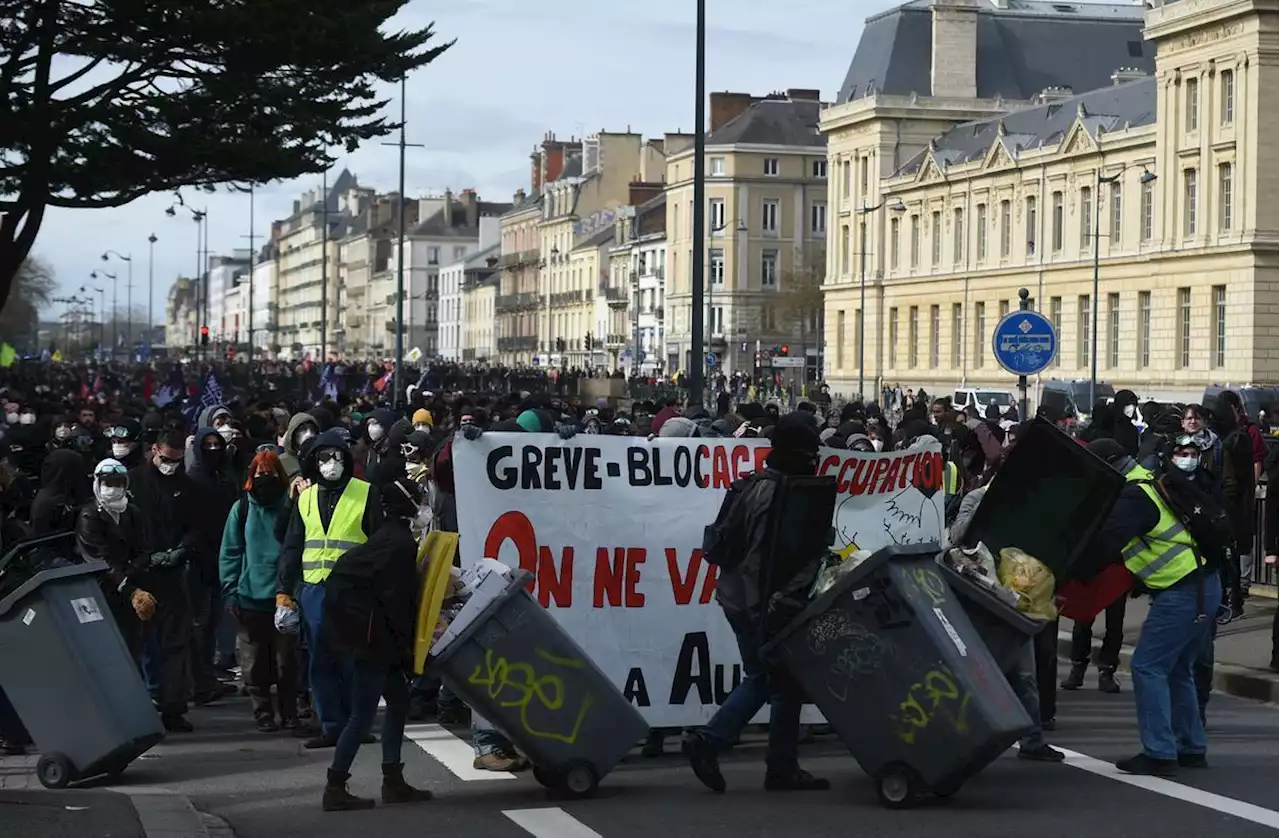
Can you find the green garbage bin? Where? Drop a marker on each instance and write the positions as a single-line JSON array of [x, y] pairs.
[[72, 680], [518, 668]]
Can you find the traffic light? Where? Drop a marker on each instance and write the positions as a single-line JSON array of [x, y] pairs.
[[204, 335], [783, 350]]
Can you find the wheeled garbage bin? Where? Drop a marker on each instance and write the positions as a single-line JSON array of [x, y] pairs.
[[898, 670], [71, 678], [519, 669], [1004, 629]]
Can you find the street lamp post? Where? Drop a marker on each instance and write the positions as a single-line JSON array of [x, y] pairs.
[[115, 307], [102, 306], [698, 279], [863, 212], [1147, 177], [201, 218], [151, 289], [128, 260]]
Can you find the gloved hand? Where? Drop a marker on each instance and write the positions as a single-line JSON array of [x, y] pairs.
[[144, 605], [472, 432], [160, 559], [286, 601], [287, 620], [567, 431]]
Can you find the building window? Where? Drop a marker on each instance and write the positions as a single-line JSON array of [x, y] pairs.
[[935, 326], [845, 261], [863, 174], [1219, 326], [717, 266], [935, 238], [1055, 317], [1059, 222], [1228, 96], [915, 242], [1224, 197], [1184, 328], [820, 168], [818, 219], [1144, 329], [717, 320], [1082, 331], [913, 335], [957, 329], [717, 166], [1086, 217], [1193, 104], [769, 269], [1032, 228], [1146, 212], [840, 340], [768, 321], [893, 338], [1189, 202], [1004, 309], [957, 235], [1117, 212], [979, 333], [769, 216], [895, 236], [862, 244], [846, 176], [1113, 331], [982, 233], [1006, 222], [716, 219], [771, 166], [433, 256]]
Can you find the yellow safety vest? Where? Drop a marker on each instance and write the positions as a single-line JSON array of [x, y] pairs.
[[951, 478], [322, 548], [1166, 554]]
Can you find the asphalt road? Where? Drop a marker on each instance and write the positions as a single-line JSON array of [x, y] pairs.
[[67, 814], [268, 787]]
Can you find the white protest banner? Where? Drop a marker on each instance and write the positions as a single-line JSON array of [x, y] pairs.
[[611, 527]]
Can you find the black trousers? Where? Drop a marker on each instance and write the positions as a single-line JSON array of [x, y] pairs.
[[206, 612], [171, 627], [1046, 654], [1108, 656]]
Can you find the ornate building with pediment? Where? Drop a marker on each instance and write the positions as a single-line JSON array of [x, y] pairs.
[[982, 147]]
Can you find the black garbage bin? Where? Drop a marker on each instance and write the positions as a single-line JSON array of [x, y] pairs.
[[899, 671], [1004, 629]]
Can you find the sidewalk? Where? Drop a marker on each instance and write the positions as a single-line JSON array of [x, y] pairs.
[[1241, 652]]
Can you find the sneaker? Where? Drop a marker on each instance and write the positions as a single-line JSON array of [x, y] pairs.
[[522, 762], [266, 724], [289, 723], [320, 742], [1075, 678], [1143, 764], [1041, 753], [798, 780], [1049, 724], [1107, 682], [1192, 761], [653, 745], [177, 724], [496, 761], [704, 761]]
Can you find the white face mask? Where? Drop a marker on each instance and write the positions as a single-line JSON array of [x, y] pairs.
[[61, 433], [11, 418], [122, 449], [226, 432], [302, 436], [331, 470], [877, 444], [112, 498], [426, 429], [27, 419], [168, 469], [375, 431], [1130, 410], [1187, 464], [422, 522]]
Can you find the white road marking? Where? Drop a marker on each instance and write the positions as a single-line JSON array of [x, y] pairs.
[[550, 823], [1159, 785], [451, 752]]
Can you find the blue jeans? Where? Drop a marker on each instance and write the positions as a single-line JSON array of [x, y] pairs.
[[485, 738], [369, 682], [330, 677], [1022, 677], [758, 685], [151, 657], [1164, 687]]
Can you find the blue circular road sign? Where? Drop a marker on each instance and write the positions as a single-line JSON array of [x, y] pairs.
[[1024, 342]]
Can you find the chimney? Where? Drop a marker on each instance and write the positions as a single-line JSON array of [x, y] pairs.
[[804, 94], [1053, 93], [642, 192], [518, 198], [955, 49], [448, 208], [471, 208], [727, 106], [1128, 74], [297, 206]]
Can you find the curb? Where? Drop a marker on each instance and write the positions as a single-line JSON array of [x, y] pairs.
[[1238, 681], [164, 813]]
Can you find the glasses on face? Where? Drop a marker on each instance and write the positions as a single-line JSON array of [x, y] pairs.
[[329, 456], [408, 449], [114, 480], [268, 446], [172, 461], [116, 433]]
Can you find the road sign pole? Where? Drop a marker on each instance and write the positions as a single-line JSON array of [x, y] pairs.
[[1024, 343], [1023, 305]]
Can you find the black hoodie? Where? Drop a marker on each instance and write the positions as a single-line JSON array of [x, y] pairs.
[[289, 565], [64, 487]]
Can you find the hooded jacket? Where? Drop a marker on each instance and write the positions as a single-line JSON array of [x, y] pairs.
[[204, 422], [289, 566], [370, 597], [119, 542], [369, 453], [63, 490], [289, 459], [168, 506], [216, 492], [249, 554], [391, 465]]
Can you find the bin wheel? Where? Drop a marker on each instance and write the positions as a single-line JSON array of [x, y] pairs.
[[580, 778], [546, 778], [55, 771], [898, 786]]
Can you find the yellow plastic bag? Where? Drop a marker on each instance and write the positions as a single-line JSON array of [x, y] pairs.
[[1027, 577]]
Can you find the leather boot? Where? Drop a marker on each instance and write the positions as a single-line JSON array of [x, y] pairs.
[[396, 790], [338, 799], [1107, 682], [1075, 678]]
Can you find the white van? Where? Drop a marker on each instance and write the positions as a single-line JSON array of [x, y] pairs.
[[980, 398]]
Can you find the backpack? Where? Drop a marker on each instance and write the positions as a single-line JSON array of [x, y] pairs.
[[1202, 516], [722, 540]]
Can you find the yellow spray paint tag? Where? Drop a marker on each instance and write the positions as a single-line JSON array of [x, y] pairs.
[[435, 558]]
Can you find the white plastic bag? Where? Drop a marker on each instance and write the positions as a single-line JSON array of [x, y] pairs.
[[287, 620]]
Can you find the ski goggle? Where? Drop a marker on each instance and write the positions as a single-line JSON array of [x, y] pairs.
[[269, 446], [117, 432]]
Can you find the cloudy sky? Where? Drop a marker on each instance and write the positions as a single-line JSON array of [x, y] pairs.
[[520, 68]]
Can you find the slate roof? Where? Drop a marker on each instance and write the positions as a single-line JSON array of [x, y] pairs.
[[602, 236], [1031, 45], [1131, 104], [773, 121], [480, 258], [434, 226]]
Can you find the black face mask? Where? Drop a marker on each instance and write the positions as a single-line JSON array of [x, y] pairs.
[[267, 488], [213, 457]]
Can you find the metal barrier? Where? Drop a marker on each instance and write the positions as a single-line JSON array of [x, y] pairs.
[[1263, 573]]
